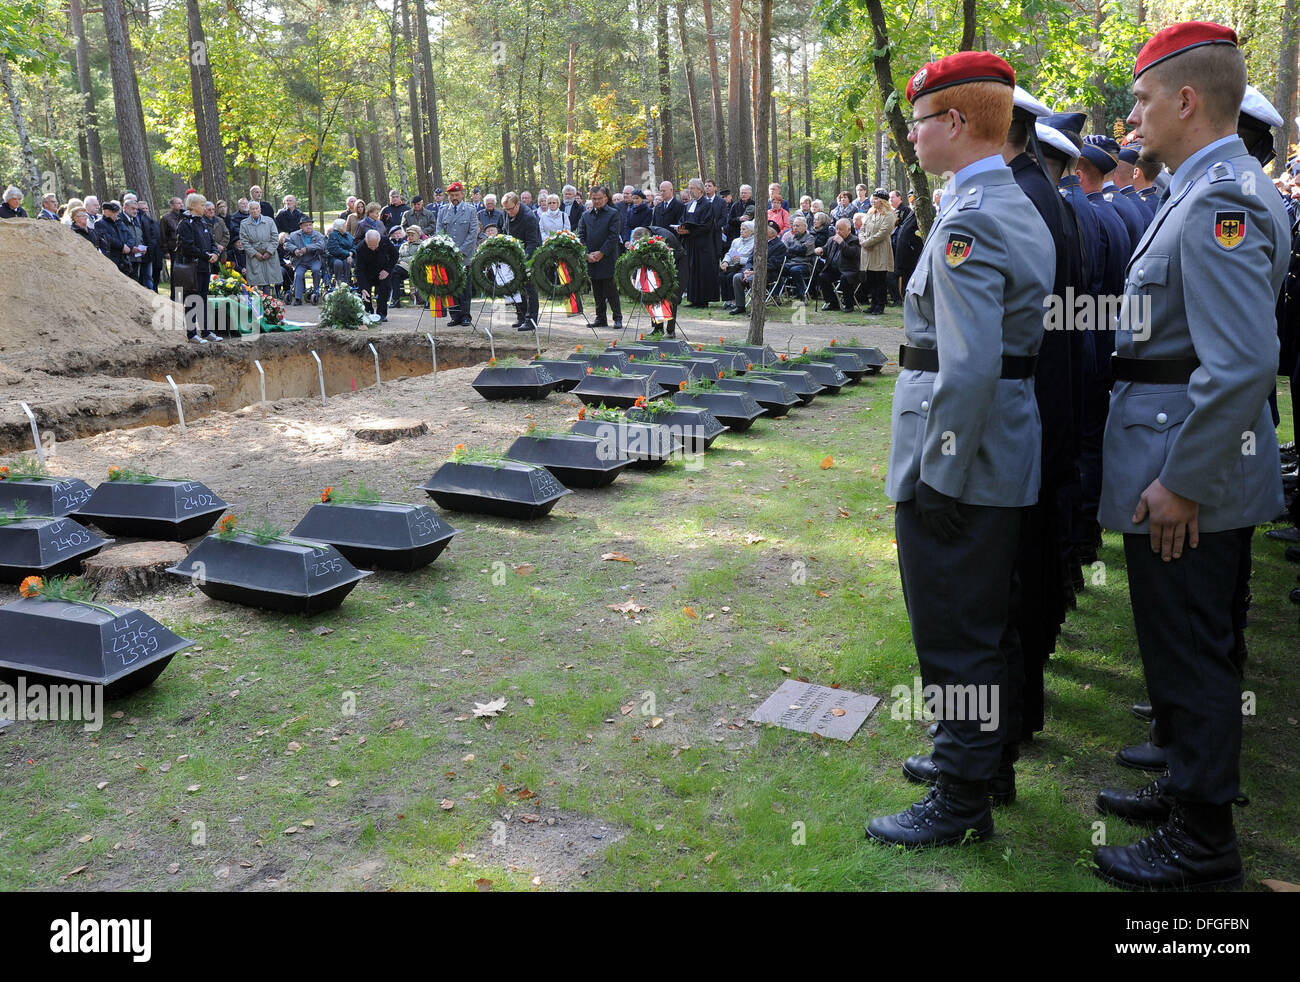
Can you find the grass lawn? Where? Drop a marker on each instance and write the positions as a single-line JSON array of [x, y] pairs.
[[623, 759]]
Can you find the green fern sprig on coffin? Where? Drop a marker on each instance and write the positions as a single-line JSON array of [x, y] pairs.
[[438, 269], [561, 255], [504, 249], [653, 255], [342, 308]]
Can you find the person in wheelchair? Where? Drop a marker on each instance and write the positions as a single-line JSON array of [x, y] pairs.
[[306, 248]]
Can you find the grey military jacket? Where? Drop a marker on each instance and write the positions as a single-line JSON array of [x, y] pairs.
[[460, 222], [1203, 282], [977, 292]]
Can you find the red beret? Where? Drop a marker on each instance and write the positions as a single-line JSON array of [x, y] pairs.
[[958, 69], [455, 186], [1179, 38]]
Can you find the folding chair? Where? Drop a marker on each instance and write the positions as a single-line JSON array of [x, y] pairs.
[[773, 283]]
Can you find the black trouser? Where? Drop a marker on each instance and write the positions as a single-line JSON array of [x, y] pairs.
[[397, 277], [378, 290], [960, 599], [874, 282], [1092, 432], [528, 306], [604, 290], [847, 280], [892, 282], [1190, 616], [459, 311], [724, 283], [196, 307]]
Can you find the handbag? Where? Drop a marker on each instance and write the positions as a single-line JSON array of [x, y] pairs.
[[185, 277]]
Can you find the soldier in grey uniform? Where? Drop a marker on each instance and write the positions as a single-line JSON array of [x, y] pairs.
[[964, 413], [459, 221], [1191, 457]]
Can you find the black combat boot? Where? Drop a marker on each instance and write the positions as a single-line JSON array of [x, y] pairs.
[[921, 769], [1196, 849], [1147, 756], [1146, 806], [952, 812], [1142, 710]]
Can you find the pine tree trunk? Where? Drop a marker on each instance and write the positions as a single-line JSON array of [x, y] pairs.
[[428, 96], [208, 123], [422, 182], [364, 188], [763, 50], [89, 114], [696, 131], [807, 123], [569, 151], [721, 163], [136, 166], [669, 157], [739, 155], [398, 138], [31, 172], [1286, 79], [378, 172]]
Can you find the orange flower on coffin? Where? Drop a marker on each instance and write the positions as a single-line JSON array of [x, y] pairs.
[[325, 495], [460, 448], [4, 473], [640, 402], [227, 524], [662, 356], [681, 386], [578, 348], [613, 344], [492, 363], [783, 357], [114, 473], [832, 342], [641, 336], [805, 350], [631, 357], [719, 376], [588, 369], [722, 340], [699, 347], [749, 367], [31, 587], [582, 413]]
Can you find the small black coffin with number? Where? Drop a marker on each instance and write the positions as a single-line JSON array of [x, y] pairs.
[[293, 577], [45, 547], [172, 511], [381, 535], [45, 495], [50, 639]]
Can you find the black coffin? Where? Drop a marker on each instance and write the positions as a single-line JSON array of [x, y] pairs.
[[575, 460], [759, 354], [635, 351], [603, 359], [616, 391], [45, 547], [51, 639], [289, 577], [647, 444], [708, 365], [669, 346], [772, 394], [732, 361], [670, 374], [799, 382], [505, 488], [873, 358], [566, 373], [172, 511], [846, 361], [823, 373], [736, 410], [515, 382], [55, 497], [379, 535], [696, 428]]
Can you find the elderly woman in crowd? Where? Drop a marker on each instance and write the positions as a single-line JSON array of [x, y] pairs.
[[876, 253], [339, 246], [843, 207], [258, 234], [196, 249], [370, 221], [73, 203], [552, 218], [405, 253], [80, 221], [738, 254]]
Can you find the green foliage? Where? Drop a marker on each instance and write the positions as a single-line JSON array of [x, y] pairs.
[[128, 476], [19, 514], [28, 468], [505, 249], [342, 308]]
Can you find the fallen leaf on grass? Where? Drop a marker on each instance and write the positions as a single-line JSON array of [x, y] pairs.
[[489, 709], [752, 539], [844, 512], [193, 788], [655, 723], [526, 793], [822, 593], [292, 830], [483, 885], [333, 783], [690, 612], [322, 630], [84, 839], [709, 857], [101, 785], [446, 804], [529, 819], [294, 746], [523, 569], [629, 606], [174, 868], [784, 668], [625, 710], [827, 462], [72, 872], [616, 557], [837, 711]]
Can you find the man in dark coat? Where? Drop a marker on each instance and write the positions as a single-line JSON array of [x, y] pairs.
[[842, 257], [699, 233], [775, 257], [521, 223], [375, 258], [116, 239], [599, 231], [289, 219], [668, 213], [152, 239], [571, 204]]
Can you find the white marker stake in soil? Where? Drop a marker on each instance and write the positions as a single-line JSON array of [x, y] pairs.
[[320, 372], [434, 348], [261, 381], [832, 713], [379, 382], [180, 413], [36, 432]]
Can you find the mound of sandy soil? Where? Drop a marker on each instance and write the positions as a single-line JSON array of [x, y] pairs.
[[59, 296]]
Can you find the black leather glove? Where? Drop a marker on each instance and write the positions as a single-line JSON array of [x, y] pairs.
[[938, 513]]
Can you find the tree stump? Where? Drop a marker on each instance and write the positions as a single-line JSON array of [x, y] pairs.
[[391, 430], [134, 569]]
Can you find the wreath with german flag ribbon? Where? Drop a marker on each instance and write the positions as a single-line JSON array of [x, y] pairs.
[[438, 273], [503, 250], [646, 273], [559, 268]]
